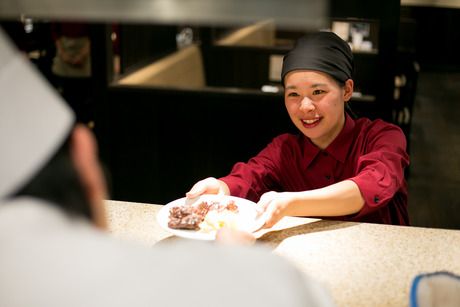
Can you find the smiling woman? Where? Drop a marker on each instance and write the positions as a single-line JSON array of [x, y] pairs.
[[335, 167]]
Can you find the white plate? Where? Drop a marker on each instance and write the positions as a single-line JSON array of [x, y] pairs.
[[246, 217]]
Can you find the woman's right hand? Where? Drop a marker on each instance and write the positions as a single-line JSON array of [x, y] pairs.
[[209, 185]]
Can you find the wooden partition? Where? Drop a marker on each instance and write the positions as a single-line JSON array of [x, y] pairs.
[[182, 68], [260, 34], [242, 57], [244, 67], [141, 43]]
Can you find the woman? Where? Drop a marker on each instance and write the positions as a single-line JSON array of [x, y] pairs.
[[337, 167]]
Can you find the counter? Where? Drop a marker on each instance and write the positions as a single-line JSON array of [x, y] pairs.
[[361, 264]]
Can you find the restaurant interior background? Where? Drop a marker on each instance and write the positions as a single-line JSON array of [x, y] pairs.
[[176, 99]]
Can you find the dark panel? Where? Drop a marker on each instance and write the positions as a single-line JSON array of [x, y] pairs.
[[163, 141], [437, 42], [140, 44], [245, 67], [367, 75]]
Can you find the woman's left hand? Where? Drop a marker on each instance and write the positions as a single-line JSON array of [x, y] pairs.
[[274, 206], [230, 236]]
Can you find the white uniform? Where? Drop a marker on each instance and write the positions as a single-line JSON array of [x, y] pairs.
[[50, 259]]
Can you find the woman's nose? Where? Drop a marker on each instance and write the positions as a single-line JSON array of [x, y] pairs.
[[307, 104]]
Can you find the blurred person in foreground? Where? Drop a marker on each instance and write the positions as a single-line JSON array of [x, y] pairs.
[[336, 167], [54, 251]]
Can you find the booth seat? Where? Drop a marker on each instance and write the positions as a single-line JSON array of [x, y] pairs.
[[183, 68], [261, 34]]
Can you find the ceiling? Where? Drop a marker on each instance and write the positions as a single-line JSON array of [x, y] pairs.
[[299, 14]]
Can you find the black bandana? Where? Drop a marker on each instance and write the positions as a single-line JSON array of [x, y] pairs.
[[321, 51]]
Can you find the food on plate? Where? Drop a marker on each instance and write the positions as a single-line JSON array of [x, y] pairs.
[[205, 216]]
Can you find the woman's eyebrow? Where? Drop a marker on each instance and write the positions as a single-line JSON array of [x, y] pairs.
[[293, 87], [318, 85]]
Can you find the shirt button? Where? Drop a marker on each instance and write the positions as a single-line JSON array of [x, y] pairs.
[[327, 177], [325, 154], [376, 199]]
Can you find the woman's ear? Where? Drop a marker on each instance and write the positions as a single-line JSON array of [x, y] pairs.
[[348, 90], [86, 162]]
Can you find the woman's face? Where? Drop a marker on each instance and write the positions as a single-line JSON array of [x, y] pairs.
[[315, 102]]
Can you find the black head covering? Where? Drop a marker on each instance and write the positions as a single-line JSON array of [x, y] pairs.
[[321, 51]]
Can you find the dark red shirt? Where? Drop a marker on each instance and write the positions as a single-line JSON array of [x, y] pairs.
[[370, 153]]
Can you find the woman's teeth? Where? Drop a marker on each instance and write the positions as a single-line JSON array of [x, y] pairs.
[[310, 121]]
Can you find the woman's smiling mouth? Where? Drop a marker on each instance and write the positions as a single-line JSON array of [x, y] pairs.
[[310, 123]]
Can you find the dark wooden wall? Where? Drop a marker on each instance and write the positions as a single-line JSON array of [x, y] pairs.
[[161, 141], [434, 35], [140, 44]]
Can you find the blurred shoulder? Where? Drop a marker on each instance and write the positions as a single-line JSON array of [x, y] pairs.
[[249, 271]]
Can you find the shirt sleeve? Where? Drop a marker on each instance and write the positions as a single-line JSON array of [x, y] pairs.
[[380, 170], [259, 175]]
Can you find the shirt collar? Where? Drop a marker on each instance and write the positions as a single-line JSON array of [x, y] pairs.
[[339, 147], [310, 151]]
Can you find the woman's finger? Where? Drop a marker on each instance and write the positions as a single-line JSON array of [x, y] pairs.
[[197, 189], [206, 186], [265, 200], [232, 236], [272, 213]]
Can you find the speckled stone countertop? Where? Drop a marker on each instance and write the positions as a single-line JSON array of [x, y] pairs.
[[361, 264]]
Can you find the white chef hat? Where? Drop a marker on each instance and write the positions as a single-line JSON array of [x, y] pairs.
[[34, 119]]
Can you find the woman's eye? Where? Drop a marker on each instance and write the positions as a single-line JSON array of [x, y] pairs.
[[318, 92], [292, 94]]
